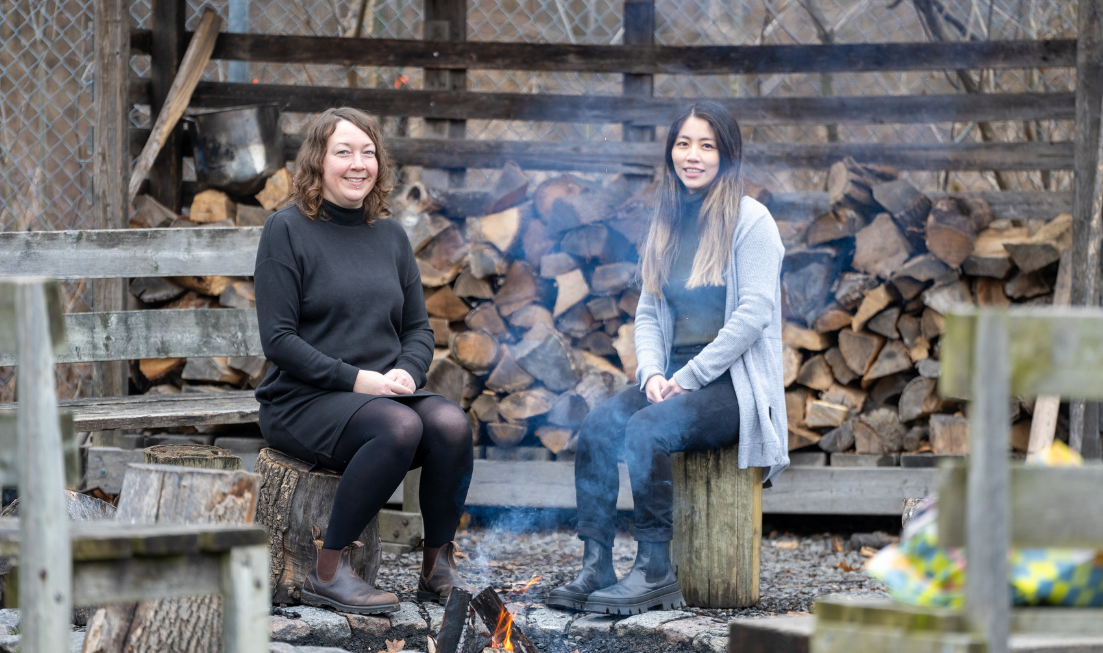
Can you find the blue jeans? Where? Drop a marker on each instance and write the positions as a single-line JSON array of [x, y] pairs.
[[647, 434]]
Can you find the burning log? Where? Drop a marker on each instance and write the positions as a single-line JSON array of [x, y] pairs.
[[504, 632], [454, 631]]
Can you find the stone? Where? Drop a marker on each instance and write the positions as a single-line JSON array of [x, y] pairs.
[[543, 622], [323, 649], [362, 624], [76, 641], [712, 640], [282, 629], [325, 627], [436, 615], [9, 644], [10, 617], [407, 616], [281, 647], [648, 622], [684, 631], [593, 624]]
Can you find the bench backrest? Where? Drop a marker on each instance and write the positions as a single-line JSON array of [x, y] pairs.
[[989, 356], [126, 253]]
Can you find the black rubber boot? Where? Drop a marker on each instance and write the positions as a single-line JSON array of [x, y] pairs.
[[651, 585], [597, 573]]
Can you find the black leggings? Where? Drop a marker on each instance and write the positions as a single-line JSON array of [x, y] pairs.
[[380, 443]]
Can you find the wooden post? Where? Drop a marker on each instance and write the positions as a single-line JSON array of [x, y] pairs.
[[45, 558], [639, 29], [245, 599], [1087, 224], [717, 529], [446, 20], [110, 165], [167, 43], [987, 595]]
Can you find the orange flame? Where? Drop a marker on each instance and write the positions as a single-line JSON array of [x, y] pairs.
[[401, 81], [505, 620], [528, 585]]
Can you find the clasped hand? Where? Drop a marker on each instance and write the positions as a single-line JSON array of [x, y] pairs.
[[658, 389], [395, 382]]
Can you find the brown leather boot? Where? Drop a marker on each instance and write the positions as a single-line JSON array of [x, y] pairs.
[[346, 591], [439, 583]]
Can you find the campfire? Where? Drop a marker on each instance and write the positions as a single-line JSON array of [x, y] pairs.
[[461, 633]]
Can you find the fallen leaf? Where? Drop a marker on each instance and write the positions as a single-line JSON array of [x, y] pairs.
[[845, 566], [786, 544], [396, 645], [837, 544], [868, 552]]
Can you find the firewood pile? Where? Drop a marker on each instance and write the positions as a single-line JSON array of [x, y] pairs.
[[865, 287], [532, 293]]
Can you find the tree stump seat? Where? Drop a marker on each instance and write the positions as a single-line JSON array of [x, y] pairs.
[[717, 528], [293, 499]]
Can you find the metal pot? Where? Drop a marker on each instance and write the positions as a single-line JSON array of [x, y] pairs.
[[237, 149]]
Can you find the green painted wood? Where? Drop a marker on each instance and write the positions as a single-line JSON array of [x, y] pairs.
[[1053, 351], [1047, 507]]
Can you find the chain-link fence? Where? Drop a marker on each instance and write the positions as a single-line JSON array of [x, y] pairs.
[[46, 91]]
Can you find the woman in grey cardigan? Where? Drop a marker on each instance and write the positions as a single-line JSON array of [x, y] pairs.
[[708, 342]]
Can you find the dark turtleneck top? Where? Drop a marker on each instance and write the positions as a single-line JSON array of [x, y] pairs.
[[698, 313], [334, 295]]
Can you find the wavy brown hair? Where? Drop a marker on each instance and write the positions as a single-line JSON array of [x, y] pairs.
[[719, 212], [306, 185]]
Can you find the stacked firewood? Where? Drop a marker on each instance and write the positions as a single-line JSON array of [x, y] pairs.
[[531, 303], [865, 289], [209, 208]]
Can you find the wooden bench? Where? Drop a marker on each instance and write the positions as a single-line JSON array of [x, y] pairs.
[[989, 356], [60, 565]]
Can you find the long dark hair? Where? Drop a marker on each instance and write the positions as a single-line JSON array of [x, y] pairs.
[[306, 185], [719, 213]]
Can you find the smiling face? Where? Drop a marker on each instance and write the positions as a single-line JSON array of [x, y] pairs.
[[349, 168], [696, 159]]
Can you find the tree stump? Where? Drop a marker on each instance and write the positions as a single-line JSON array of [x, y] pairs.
[[192, 455], [292, 500], [717, 529], [161, 494]]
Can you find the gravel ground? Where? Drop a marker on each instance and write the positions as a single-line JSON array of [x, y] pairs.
[[795, 569]]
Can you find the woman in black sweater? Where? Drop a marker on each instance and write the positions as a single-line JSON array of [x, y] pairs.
[[342, 318]]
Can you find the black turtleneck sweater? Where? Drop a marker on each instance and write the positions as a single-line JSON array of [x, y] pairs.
[[698, 313], [334, 295]]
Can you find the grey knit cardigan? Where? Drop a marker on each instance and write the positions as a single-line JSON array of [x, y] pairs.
[[748, 346]]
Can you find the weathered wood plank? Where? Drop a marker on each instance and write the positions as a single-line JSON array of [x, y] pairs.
[[1046, 507], [636, 111], [640, 158], [805, 490], [166, 49], [158, 411], [1006, 205], [246, 599], [711, 60], [112, 253], [108, 540], [167, 333], [1053, 351], [44, 554], [135, 579]]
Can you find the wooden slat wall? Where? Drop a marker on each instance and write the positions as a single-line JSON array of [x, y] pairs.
[[639, 59], [638, 111]]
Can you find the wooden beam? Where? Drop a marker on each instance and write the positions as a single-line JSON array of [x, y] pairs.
[[446, 20], [158, 411], [1052, 351], [165, 333], [987, 594], [111, 163], [115, 253], [1087, 224], [639, 30], [641, 60], [635, 111], [166, 49], [1046, 506], [1006, 205]]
